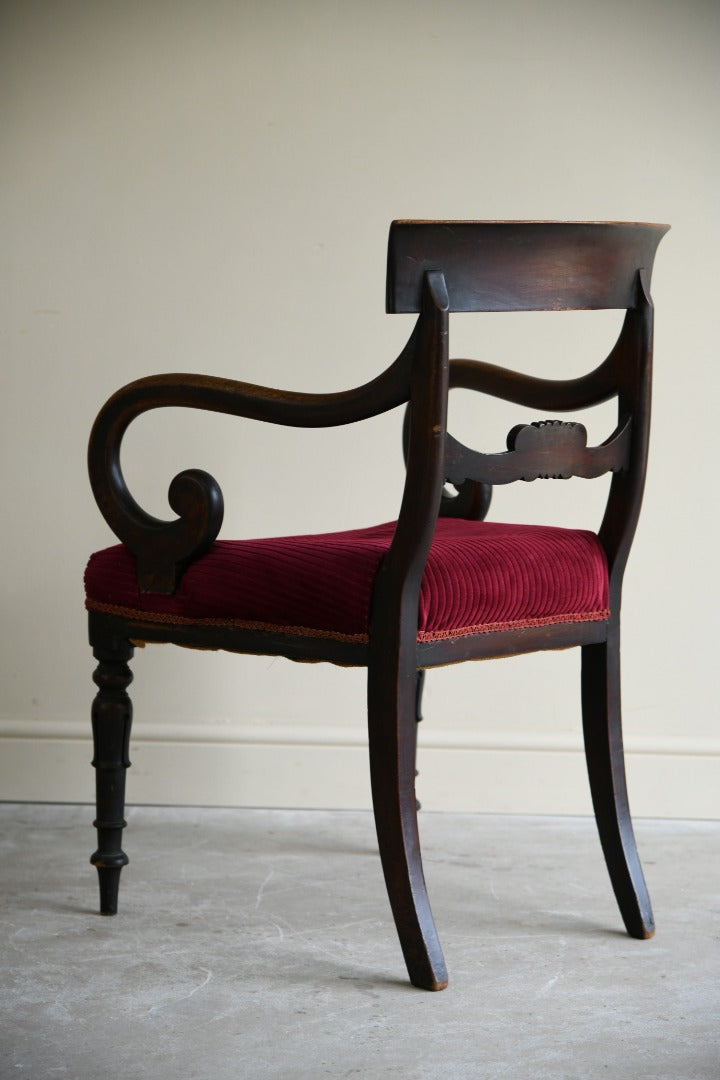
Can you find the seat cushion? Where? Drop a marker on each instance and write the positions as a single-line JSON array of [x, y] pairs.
[[479, 577]]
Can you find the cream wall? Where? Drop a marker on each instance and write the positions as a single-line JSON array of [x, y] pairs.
[[207, 187]]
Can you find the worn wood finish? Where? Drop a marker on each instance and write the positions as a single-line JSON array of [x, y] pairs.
[[520, 265], [433, 269]]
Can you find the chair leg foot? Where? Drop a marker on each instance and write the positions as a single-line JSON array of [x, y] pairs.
[[606, 769], [393, 740], [109, 881], [111, 721]]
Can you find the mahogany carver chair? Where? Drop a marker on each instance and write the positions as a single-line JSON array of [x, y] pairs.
[[438, 586]]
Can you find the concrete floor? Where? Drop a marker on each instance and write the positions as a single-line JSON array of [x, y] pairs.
[[259, 944]]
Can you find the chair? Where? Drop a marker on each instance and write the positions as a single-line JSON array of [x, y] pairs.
[[440, 585]]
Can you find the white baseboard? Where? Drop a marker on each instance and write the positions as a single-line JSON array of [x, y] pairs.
[[320, 767]]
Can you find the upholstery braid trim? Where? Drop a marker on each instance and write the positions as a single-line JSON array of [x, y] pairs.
[[304, 631]]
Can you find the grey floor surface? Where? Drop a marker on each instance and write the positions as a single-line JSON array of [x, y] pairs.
[[255, 943]]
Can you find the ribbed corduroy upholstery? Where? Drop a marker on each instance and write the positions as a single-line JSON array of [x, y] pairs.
[[480, 576]]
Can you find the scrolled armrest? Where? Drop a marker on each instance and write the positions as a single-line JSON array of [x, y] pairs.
[[164, 548]]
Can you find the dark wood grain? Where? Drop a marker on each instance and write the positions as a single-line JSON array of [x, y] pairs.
[[520, 265]]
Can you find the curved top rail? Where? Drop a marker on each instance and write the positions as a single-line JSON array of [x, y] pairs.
[[521, 265]]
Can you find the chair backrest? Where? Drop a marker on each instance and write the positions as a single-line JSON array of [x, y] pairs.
[[439, 267], [520, 265]]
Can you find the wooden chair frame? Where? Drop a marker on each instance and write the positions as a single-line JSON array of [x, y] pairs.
[[434, 268]]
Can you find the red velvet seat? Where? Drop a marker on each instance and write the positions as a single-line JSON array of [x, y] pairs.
[[480, 577]]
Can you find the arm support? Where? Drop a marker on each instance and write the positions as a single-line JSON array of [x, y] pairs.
[[164, 548]]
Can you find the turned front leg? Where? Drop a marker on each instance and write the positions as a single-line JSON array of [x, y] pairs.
[[111, 721]]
